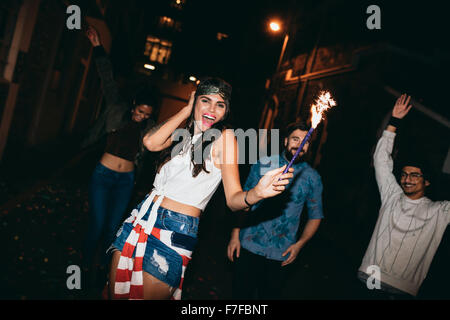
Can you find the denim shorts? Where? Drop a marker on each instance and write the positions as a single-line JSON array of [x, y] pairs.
[[160, 260]]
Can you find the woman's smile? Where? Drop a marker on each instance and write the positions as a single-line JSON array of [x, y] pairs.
[[209, 109]]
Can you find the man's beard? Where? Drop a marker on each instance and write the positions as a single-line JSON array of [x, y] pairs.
[[289, 156]]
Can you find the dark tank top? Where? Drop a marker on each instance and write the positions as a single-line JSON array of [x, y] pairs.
[[125, 142]]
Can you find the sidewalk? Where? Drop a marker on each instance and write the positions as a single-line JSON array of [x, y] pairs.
[[41, 227]]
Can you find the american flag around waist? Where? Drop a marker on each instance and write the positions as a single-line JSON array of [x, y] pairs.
[[129, 275]]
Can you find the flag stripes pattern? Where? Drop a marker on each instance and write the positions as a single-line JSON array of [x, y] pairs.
[[129, 274]]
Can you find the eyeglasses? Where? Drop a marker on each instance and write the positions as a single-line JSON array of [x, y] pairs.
[[412, 175]]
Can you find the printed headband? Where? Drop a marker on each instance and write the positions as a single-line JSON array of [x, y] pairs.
[[207, 87]]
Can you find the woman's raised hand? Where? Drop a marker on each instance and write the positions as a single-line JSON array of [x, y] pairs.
[[188, 108], [273, 182], [93, 37]]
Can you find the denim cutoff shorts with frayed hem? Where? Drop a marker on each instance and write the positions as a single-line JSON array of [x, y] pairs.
[[160, 260]]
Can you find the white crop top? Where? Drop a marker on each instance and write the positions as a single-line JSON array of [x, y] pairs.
[[175, 181]]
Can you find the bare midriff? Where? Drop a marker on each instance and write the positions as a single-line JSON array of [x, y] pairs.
[[179, 207], [116, 163]]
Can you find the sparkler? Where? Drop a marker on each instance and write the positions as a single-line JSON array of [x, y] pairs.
[[323, 103]]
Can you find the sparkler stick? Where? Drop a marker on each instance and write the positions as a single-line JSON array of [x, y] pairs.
[[323, 102]]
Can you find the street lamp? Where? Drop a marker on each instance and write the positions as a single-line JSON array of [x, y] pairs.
[[268, 115], [276, 27]]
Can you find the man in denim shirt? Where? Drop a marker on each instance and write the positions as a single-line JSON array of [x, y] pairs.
[[268, 236]]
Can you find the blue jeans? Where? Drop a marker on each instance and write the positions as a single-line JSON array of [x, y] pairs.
[[109, 195]]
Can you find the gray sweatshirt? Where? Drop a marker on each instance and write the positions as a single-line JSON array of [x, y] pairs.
[[407, 233]]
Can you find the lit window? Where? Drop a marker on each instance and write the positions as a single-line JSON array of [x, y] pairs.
[[221, 36], [166, 22], [158, 50], [169, 23]]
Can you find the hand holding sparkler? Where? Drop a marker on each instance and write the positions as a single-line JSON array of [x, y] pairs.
[[272, 183]]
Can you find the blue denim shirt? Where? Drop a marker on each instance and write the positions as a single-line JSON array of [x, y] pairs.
[[275, 220]]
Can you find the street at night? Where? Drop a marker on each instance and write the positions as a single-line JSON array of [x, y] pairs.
[[61, 79]]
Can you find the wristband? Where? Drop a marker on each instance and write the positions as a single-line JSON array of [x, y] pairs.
[[99, 51], [245, 199], [395, 122]]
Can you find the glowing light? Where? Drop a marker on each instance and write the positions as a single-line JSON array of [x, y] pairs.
[[192, 78], [149, 66], [323, 103], [275, 26]]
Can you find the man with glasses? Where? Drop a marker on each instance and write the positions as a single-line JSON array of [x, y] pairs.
[[410, 226]]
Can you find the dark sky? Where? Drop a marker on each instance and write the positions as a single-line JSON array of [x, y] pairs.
[[251, 53], [419, 26]]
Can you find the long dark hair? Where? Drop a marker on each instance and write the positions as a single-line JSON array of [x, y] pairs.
[[206, 86]]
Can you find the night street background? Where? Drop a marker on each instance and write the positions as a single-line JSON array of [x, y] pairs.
[[44, 174]]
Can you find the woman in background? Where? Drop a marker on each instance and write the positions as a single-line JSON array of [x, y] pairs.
[[124, 125]]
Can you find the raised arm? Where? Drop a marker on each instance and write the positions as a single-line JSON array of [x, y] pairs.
[[237, 199], [160, 136], [382, 157], [110, 88]]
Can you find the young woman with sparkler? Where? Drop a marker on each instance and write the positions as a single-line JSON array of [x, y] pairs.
[[155, 243]]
